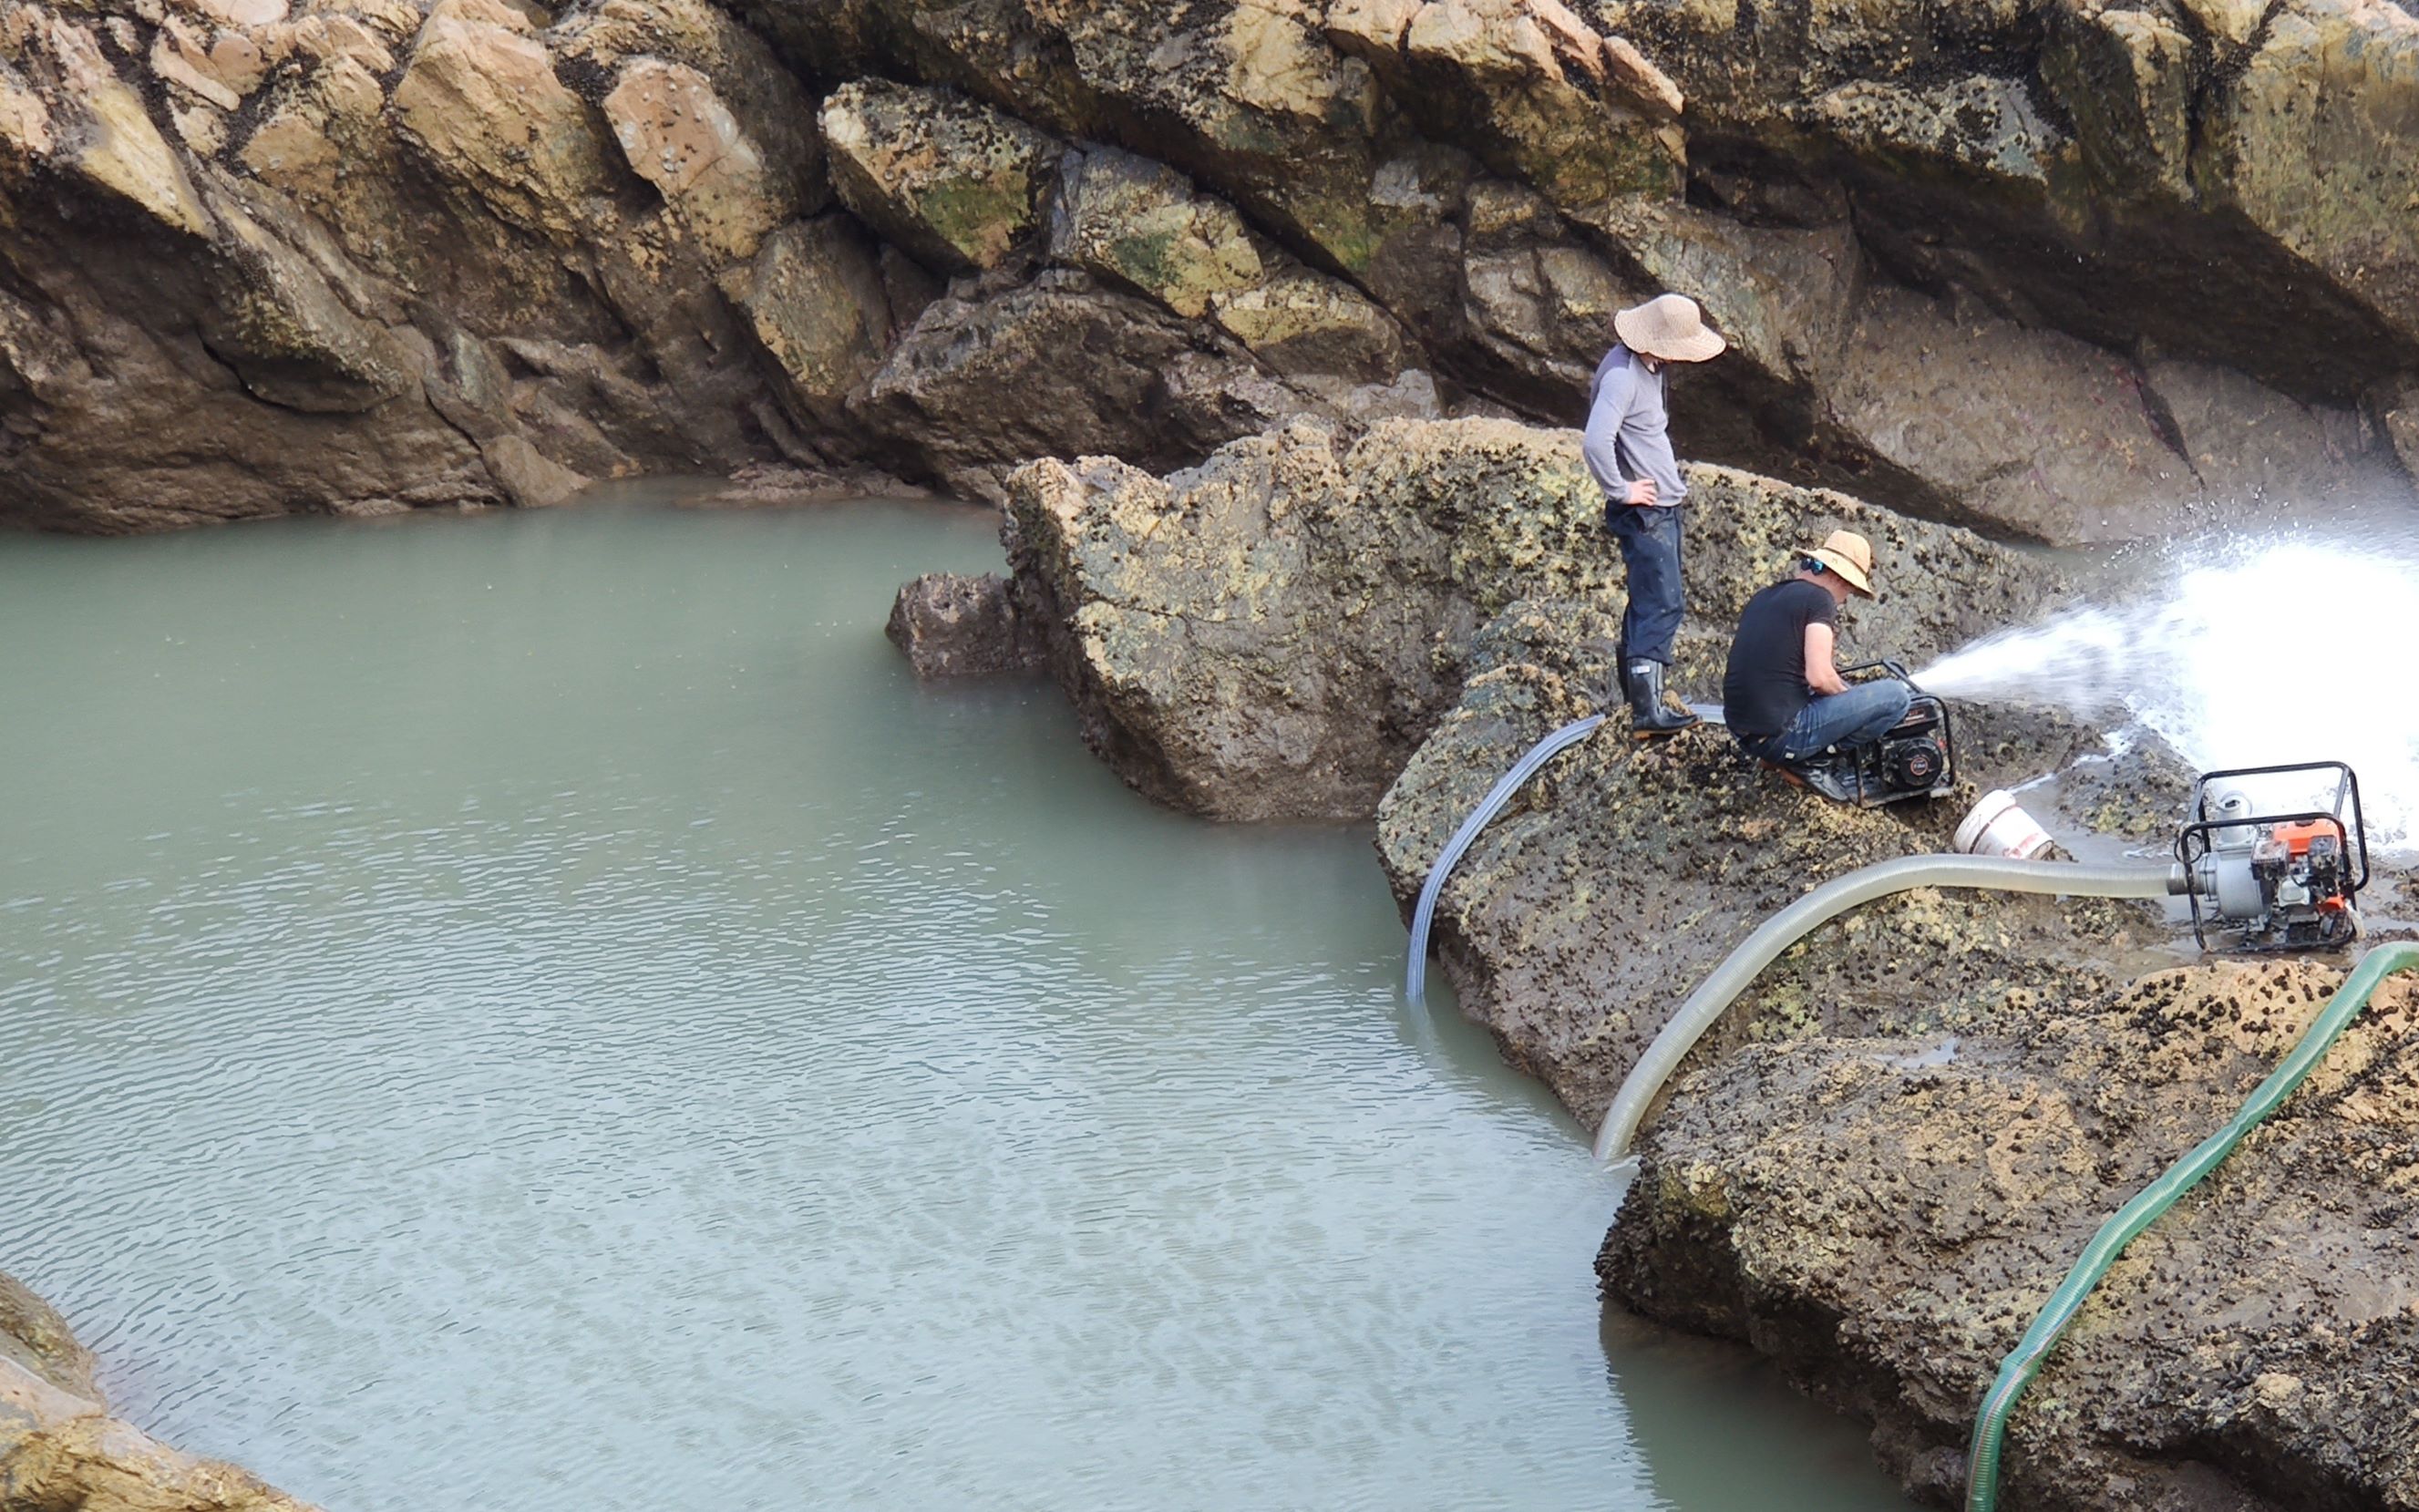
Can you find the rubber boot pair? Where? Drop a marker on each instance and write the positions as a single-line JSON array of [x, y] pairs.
[[1642, 681]]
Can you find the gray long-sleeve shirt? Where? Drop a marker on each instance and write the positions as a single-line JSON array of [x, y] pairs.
[[1626, 435]]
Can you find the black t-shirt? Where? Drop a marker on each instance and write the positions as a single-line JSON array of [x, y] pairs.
[[1765, 685]]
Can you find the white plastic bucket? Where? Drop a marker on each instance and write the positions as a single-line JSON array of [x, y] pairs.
[[1999, 826]]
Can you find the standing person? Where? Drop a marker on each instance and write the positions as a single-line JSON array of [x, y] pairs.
[[1782, 695], [1631, 455]]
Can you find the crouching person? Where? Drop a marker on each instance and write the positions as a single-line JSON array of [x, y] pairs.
[[1782, 695]]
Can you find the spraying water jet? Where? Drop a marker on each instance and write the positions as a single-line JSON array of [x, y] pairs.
[[2246, 654]]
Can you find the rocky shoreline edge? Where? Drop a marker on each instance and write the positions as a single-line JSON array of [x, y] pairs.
[[1882, 1162], [62, 1451], [1876, 1169], [366, 256]]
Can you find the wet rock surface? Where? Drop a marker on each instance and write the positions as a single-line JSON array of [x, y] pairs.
[[1886, 1215], [60, 1451], [2061, 269], [953, 625]]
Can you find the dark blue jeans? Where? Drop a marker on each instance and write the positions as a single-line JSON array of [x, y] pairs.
[[1861, 714], [1649, 553]]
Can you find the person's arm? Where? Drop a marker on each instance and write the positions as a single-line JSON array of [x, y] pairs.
[[1822, 669], [1605, 415]]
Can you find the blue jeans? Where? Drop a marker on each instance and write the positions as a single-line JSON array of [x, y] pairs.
[[1861, 714], [1649, 553]]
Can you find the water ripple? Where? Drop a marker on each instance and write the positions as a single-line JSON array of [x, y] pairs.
[[478, 1047]]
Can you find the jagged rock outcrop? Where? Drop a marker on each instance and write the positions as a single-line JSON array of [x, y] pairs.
[[365, 258], [1884, 1216], [2061, 268], [1274, 634], [1501, 174], [60, 1451]]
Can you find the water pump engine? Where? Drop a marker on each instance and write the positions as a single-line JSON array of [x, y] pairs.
[[2286, 881], [1916, 758]]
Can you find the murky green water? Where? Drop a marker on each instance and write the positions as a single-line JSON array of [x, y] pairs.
[[543, 1012]]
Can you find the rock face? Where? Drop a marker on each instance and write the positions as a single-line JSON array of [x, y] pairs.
[[955, 184], [60, 1449], [1885, 1216], [2063, 270], [1887, 1153], [1274, 634]]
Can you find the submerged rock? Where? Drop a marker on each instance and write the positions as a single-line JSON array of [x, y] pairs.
[[34, 1336], [953, 625]]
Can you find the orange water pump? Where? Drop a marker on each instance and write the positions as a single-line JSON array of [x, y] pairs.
[[2284, 881]]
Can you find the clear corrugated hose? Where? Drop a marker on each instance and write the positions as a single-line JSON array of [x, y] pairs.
[[1738, 971], [2024, 1362], [1786, 928]]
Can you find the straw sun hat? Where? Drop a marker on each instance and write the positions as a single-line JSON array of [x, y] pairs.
[[1670, 327], [1851, 556]]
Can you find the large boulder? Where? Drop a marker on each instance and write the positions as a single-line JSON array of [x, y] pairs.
[[1885, 1214], [957, 184], [1526, 83], [481, 103], [978, 383], [1274, 634], [705, 113], [817, 300], [1143, 226], [679, 136]]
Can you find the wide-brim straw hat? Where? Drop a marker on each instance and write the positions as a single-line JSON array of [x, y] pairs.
[[1851, 556], [1670, 327]]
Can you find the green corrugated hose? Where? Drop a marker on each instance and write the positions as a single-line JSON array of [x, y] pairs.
[[2017, 1370]]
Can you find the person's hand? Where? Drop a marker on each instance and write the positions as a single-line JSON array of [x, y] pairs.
[[1641, 493]]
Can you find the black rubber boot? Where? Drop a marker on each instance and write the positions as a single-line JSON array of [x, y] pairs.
[[1648, 714]]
